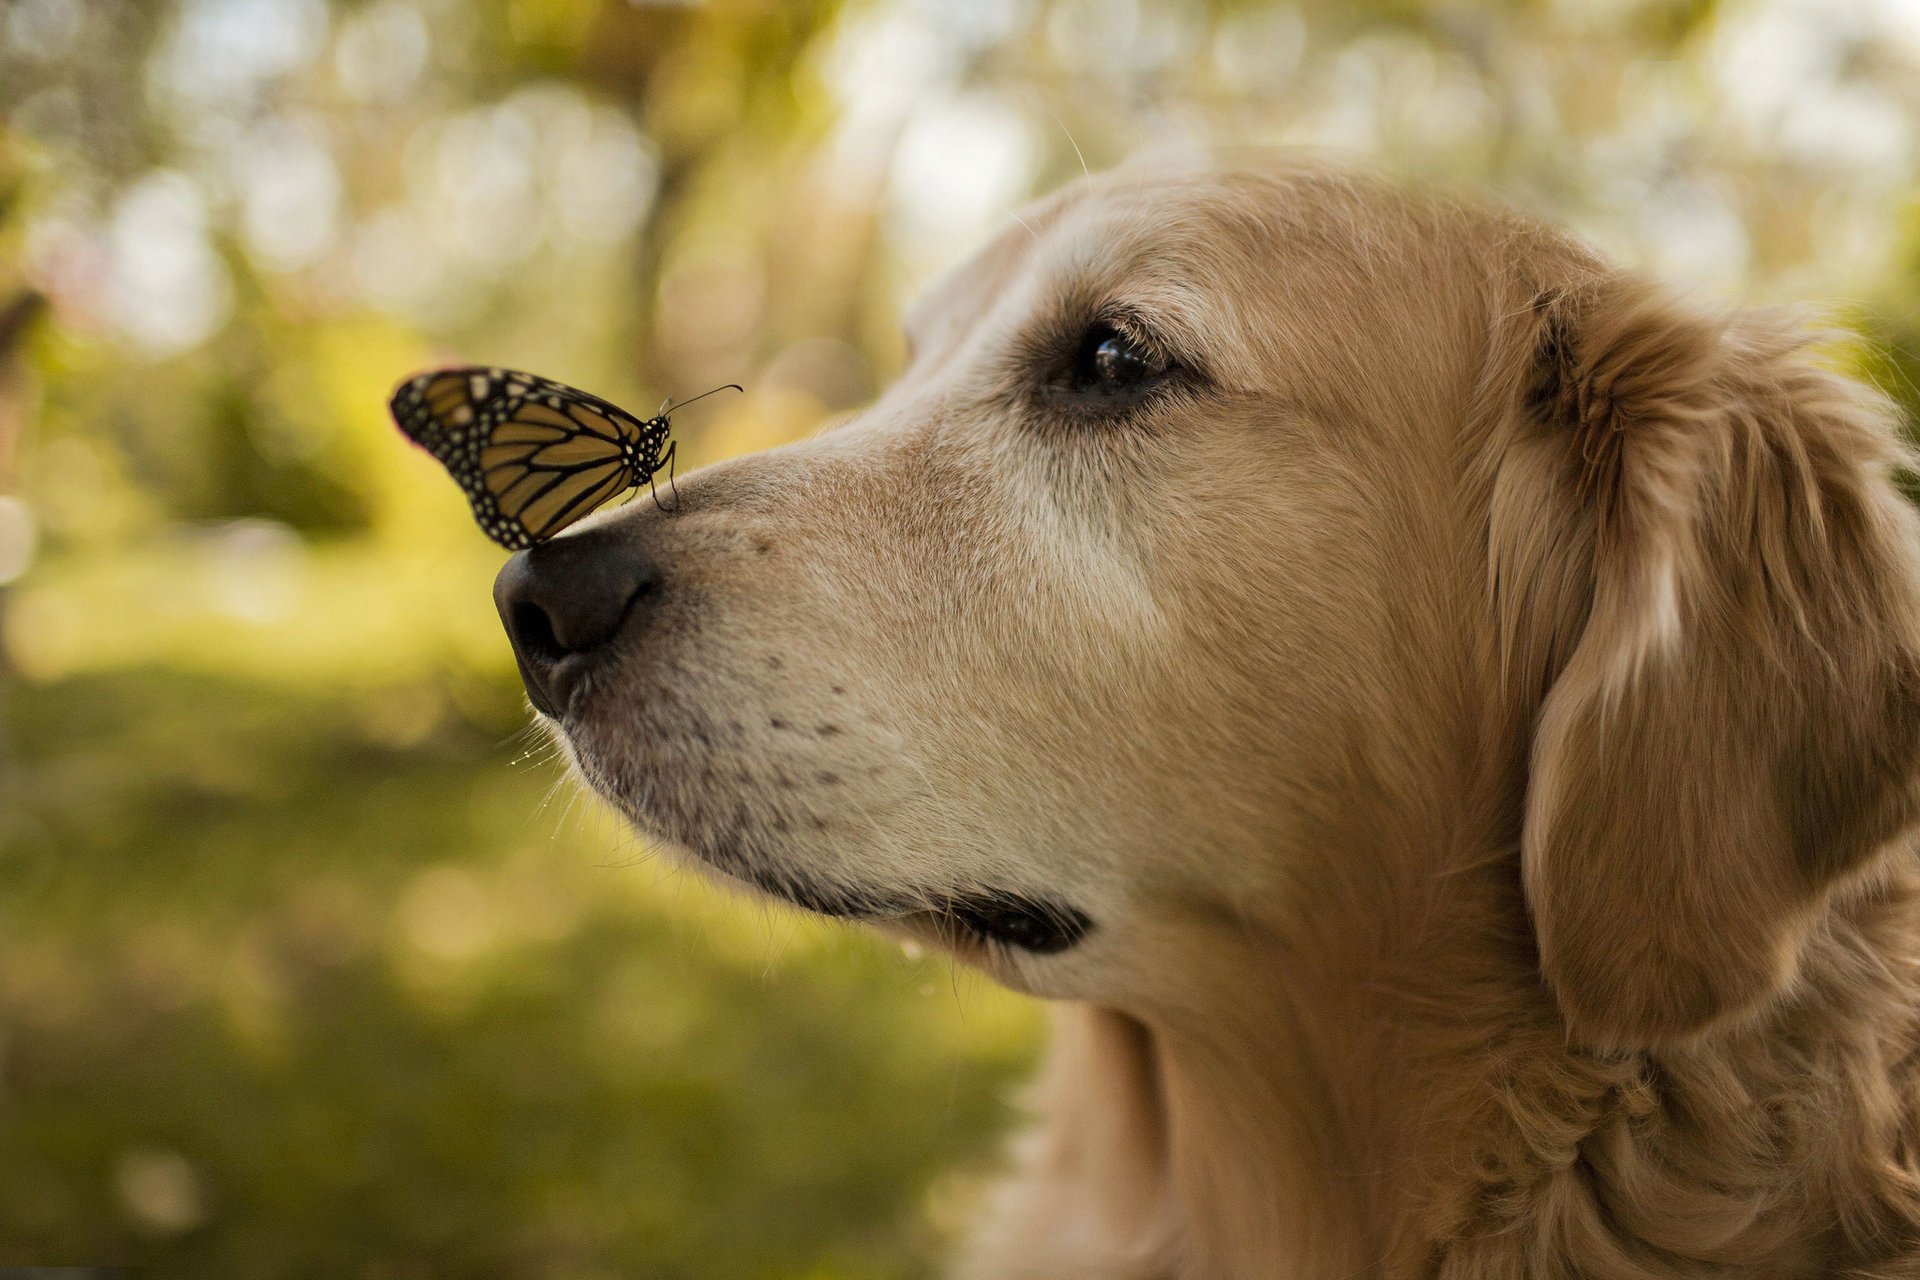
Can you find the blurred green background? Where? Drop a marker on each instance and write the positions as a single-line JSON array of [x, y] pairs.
[[312, 963]]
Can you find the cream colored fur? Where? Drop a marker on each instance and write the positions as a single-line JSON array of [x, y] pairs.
[[1477, 711]]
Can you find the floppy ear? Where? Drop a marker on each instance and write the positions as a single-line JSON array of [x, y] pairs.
[[1701, 559]]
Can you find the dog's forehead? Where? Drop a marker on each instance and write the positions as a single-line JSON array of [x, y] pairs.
[[1134, 227]]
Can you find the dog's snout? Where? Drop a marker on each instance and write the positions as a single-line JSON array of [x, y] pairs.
[[563, 602]]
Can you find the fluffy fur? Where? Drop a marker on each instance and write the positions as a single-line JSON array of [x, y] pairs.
[[1475, 705]]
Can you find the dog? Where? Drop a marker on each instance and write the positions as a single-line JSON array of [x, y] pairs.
[[1436, 712]]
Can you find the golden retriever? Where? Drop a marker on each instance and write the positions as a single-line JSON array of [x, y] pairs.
[[1438, 714]]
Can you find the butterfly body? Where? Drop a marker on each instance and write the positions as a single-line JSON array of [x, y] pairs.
[[532, 455]]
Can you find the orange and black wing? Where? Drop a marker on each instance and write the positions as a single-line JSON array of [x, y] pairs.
[[532, 455]]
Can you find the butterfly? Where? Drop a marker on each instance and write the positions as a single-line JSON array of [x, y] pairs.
[[532, 455]]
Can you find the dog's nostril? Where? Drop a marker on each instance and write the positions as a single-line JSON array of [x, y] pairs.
[[532, 632]]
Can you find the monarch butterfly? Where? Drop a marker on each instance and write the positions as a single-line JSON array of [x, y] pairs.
[[532, 455]]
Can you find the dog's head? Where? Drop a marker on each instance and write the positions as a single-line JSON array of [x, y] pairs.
[[1235, 544]]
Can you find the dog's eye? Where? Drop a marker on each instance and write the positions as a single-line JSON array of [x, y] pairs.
[[1110, 362]]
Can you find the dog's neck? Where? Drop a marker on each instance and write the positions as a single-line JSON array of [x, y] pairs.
[[1416, 1109]]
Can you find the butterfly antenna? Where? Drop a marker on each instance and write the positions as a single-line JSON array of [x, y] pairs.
[[731, 386]]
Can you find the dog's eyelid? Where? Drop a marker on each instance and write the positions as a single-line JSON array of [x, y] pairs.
[[1162, 335], [1129, 320]]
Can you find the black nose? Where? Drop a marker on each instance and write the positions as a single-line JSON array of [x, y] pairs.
[[562, 603]]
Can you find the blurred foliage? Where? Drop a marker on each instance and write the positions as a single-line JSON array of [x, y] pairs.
[[311, 989], [300, 974]]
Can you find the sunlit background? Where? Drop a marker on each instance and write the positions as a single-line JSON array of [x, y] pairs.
[[311, 963]]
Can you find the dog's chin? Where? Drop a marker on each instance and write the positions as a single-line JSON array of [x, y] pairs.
[[728, 839], [966, 921]]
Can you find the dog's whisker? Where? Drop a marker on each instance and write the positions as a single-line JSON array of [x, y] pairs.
[[1077, 153]]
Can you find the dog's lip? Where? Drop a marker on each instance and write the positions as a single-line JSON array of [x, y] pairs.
[[1034, 925], [963, 921]]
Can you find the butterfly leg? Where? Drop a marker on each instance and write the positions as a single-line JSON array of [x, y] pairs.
[[667, 458]]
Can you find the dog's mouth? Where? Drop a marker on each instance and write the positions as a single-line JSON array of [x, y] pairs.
[[1017, 920], [1010, 919]]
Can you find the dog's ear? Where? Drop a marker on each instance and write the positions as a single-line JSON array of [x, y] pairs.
[[1703, 569]]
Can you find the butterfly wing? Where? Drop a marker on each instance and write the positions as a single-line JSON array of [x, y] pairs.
[[532, 455]]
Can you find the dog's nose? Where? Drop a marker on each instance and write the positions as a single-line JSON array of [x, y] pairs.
[[562, 602]]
